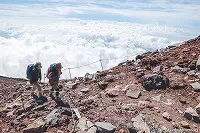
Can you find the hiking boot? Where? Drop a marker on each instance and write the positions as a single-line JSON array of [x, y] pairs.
[[43, 98], [51, 95], [57, 93], [34, 96]]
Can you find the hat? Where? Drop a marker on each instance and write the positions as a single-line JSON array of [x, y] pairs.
[[59, 65], [38, 64]]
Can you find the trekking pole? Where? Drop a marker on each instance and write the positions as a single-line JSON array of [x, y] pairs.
[[101, 64], [44, 77], [22, 99]]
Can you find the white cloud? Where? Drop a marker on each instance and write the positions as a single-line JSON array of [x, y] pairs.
[[78, 42]]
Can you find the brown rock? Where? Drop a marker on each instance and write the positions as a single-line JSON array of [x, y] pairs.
[[133, 93], [102, 85], [184, 124], [36, 127], [183, 100]]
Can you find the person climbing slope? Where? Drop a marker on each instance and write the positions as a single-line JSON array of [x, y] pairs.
[[33, 73], [53, 74]]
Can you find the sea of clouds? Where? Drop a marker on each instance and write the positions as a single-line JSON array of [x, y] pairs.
[[76, 42]]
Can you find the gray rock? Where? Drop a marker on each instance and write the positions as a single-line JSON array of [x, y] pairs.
[[157, 69], [137, 62], [71, 85], [140, 125], [51, 118], [157, 98], [92, 130], [36, 126], [198, 63], [178, 69], [198, 75], [195, 86], [22, 116], [84, 124], [197, 108], [155, 81], [191, 73], [10, 114], [40, 107], [191, 114], [59, 131], [85, 90], [133, 93], [112, 92], [166, 116], [104, 127]]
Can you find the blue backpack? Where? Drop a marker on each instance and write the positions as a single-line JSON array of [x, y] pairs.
[[50, 71], [52, 66], [30, 67]]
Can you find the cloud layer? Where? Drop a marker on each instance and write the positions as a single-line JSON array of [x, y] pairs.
[[79, 42]]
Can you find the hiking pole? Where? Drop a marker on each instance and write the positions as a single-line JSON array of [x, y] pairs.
[[44, 77]]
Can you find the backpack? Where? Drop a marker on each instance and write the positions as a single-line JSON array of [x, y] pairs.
[[29, 69], [51, 70]]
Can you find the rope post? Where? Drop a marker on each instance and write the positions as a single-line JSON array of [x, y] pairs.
[[101, 64], [70, 75]]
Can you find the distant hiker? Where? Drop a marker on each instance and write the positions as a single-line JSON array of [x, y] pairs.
[[33, 73], [53, 74]]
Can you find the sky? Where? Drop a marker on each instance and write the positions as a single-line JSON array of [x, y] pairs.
[[179, 13], [77, 32]]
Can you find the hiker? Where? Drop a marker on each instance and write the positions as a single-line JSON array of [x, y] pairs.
[[53, 74], [33, 73]]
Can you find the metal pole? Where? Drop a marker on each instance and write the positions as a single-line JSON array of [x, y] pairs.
[[101, 64], [44, 77], [70, 73]]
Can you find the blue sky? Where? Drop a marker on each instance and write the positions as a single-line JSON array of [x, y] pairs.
[[177, 13]]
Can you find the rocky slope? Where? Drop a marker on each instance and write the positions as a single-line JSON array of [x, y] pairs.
[[159, 91]]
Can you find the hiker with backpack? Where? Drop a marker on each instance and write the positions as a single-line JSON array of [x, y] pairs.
[[33, 73], [53, 74]]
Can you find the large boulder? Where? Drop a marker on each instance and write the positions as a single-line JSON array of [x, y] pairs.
[[155, 81]]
